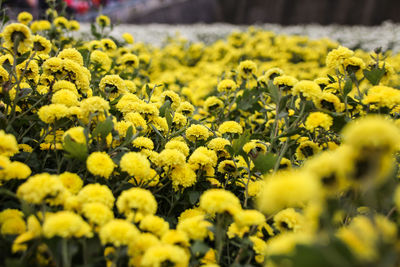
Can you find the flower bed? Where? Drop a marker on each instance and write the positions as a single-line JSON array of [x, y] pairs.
[[258, 149]]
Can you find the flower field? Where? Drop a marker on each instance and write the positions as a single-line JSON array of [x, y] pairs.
[[259, 149]]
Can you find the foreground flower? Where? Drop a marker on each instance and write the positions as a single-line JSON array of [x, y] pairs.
[[118, 232], [288, 189], [219, 201], [100, 163], [65, 224]]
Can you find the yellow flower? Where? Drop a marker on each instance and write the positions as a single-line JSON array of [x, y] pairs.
[[112, 84], [97, 213], [71, 181], [103, 21], [129, 60], [65, 85], [136, 200], [128, 38], [254, 147], [74, 25], [318, 119], [178, 145], [108, 45], [142, 142], [308, 89], [24, 17], [17, 170], [76, 134], [272, 73], [61, 22], [40, 25], [65, 224], [249, 218], [234, 230], [13, 226], [190, 213], [100, 163], [118, 232], [65, 97], [170, 158], [41, 45], [247, 69], [183, 176], [41, 187], [197, 132], [172, 97], [219, 201], [231, 127], [218, 145], [372, 133], [285, 82], [96, 193], [289, 220], [329, 102], [213, 104], [160, 254], [71, 54], [226, 85], [361, 237], [154, 224], [196, 228], [285, 243], [100, 59], [17, 33], [51, 113], [307, 149], [383, 96], [185, 108], [336, 57], [8, 144], [136, 165], [176, 237], [277, 192]]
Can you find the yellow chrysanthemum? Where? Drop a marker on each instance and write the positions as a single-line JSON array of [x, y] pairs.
[[100, 163]]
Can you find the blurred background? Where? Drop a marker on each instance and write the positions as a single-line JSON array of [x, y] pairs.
[[284, 12]]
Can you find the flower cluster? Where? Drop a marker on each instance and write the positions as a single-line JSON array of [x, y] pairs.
[[261, 149]]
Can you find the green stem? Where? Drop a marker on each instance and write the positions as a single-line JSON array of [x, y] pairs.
[[65, 253]]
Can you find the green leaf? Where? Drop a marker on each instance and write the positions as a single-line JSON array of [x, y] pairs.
[[7, 192], [164, 107], [128, 137], [339, 121], [74, 149], [148, 91], [7, 66], [103, 128], [331, 79], [168, 117], [94, 31], [115, 101], [27, 209], [157, 131], [23, 57], [229, 148], [273, 91], [240, 142], [249, 100], [85, 55], [348, 86], [199, 248], [264, 162], [374, 76], [194, 197]]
